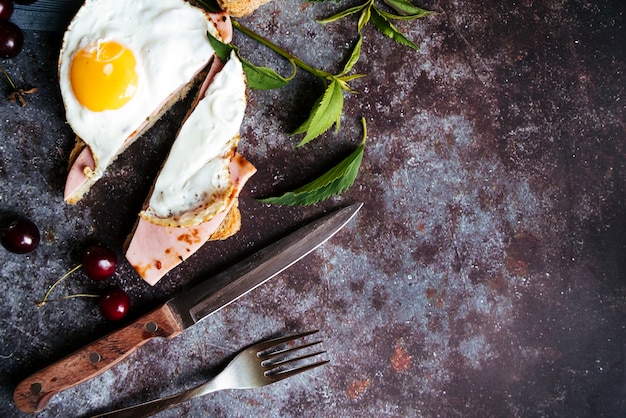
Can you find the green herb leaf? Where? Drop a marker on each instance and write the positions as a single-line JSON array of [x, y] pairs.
[[259, 78], [354, 56], [405, 8], [264, 78], [391, 16], [335, 181], [343, 82], [222, 50], [326, 112], [364, 18], [386, 28], [342, 14], [210, 5]]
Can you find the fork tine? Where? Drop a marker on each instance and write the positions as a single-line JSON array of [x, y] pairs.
[[272, 365], [268, 355], [266, 345], [274, 359], [275, 377]]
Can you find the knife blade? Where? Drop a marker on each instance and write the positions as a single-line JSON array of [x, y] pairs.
[[179, 313]]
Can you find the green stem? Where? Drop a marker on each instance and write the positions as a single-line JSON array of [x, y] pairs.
[[291, 58]]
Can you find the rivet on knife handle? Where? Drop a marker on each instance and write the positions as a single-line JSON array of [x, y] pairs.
[[34, 392]]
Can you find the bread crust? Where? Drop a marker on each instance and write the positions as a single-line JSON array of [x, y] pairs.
[[240, 8], [230, 225]]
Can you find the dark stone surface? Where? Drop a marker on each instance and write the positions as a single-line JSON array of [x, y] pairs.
[[485, 275]]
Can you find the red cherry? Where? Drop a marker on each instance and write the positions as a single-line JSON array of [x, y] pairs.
[[11, 39], [99, 262], [21, 237], [115, 304], [6, 9]]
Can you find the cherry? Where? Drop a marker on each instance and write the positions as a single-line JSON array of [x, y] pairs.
[[6, 9], [11, 39], [21, 236], [115, 304], [99, 262]]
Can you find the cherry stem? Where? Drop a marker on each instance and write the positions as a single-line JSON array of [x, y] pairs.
[[45, 298], [77, 295], [8, 78]]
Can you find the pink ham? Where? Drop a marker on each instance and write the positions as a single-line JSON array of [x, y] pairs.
[[78, 174], [155, 250]]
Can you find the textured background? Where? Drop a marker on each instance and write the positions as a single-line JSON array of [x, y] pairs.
[[485, 275]]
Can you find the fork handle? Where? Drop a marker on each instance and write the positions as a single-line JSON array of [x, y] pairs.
[[34, 392], [152, 407], [147, 409]]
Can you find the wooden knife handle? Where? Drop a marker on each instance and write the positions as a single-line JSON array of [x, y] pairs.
[[34, 392]]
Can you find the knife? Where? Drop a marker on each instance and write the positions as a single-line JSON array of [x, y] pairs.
[[179, 313]]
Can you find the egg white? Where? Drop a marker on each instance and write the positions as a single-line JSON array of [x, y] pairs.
[[194, 183], [169, 41]]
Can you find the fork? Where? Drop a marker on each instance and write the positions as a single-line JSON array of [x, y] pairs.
[[258, 365]]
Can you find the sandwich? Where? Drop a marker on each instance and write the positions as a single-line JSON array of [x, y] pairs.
[[194, 198]]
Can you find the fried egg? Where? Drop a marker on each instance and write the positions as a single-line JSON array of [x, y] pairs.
[[122, 61], [194, 183]]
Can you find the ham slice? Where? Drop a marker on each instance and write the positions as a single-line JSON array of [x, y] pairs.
[[154, 250]]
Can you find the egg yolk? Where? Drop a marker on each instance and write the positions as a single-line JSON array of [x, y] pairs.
[[103, 76]]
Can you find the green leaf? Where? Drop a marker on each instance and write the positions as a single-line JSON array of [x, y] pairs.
[[210, 5], [354, 56], [386, 28], [264, 78], [222, 50], [325, 113], [343, 82], [364, 18], [335, 181], [391, 16], [259, 78], [405, 8], [342, 14]]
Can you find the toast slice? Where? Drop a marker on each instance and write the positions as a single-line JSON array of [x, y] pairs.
[[153, 250], [240, 8]]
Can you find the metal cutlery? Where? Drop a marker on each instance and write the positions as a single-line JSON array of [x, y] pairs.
[[259, 365], [179, 313]]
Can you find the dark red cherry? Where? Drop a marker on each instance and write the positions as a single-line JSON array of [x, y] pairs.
[[20, 237], [11, 39], [99, 262], [115, 304], [6, 9]]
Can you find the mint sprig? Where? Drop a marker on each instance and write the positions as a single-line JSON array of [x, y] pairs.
[[381, 19], [334, 182], [328, 108]]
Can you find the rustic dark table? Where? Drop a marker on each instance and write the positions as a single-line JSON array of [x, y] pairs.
[[484, 276]]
